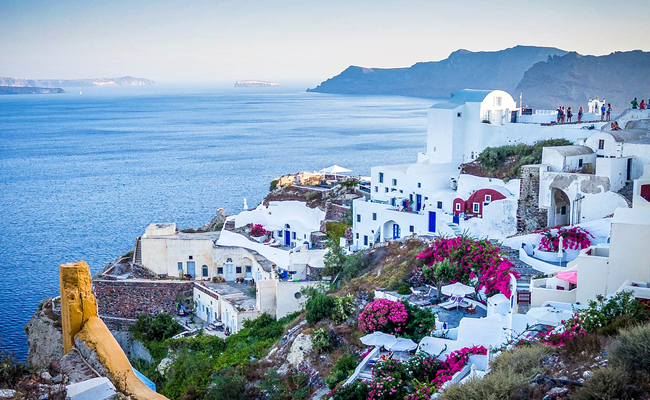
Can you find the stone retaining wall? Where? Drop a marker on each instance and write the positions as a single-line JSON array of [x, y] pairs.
[[529, 216], [130, 298]]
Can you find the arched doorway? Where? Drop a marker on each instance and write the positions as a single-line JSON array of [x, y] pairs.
[[287, 235], [560, 210], [230, 270], [391, 230]]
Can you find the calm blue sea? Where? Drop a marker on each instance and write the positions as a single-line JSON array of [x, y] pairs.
[[82, 175]]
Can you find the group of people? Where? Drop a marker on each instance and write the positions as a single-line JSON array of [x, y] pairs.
[[567, 114], [606, 112], [643, 105]]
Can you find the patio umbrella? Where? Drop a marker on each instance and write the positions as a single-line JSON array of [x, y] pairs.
[[569, 276], [401, 344], [549, 315], [457, 290], [335, 170], [377, 339]]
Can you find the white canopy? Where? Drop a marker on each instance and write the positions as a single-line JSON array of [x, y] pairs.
[[377, 339], [402, 344], [498, 299], [335, 169], [549, 315], [457, 289]]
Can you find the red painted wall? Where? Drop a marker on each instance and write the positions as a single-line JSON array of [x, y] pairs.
[[467, 206]]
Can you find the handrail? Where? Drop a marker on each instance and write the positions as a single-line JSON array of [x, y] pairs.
[[361, 366]]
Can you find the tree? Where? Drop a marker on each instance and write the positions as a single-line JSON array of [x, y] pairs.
[[440, 273], [228, 384], [319, 307], [334, 258]]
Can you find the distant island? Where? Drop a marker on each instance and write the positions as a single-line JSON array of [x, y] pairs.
[[546, 76], [255, 84], [29, 90], [62, 83]]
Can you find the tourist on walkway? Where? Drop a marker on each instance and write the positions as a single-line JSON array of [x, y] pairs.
[[559, 114], [609, 111], [602, 112], [635, 104], [580, 113], [569, 115], [642, 105], [562, 115]]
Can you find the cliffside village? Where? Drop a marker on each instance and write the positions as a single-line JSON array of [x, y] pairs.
[[258, 260]]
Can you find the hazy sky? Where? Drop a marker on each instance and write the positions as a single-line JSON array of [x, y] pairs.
[[285, 40]]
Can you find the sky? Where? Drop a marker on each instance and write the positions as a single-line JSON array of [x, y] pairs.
[[199, 41]]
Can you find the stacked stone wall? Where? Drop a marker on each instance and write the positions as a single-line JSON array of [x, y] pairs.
[[529, 216], [123, 301]]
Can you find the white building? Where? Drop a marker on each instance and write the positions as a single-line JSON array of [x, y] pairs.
[[418, 198]]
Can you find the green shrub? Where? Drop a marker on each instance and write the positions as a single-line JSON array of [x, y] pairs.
[[357, 390], [605, 311], [404, 290], [420, 322], [228, 384], [632, 349], [319, 307], [343, 308], [349, 183], [273, 185], [312, 195], [525, 360], [321, 341], [354, 264], [10, 369], [335, 230], [494, 386], [606, 383], [334, 258], [343, 368], [162, 326], [189, 370]]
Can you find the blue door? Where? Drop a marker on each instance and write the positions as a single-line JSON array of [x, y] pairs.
[[456, 219], [418, 202], [191, 268], [432, 221], [395, 231], [287, 238]]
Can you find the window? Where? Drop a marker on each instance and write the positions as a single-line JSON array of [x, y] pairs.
[[475, 207], [238, 270], [297, 295], [419, 185], [220, 270], [401, 191], [358, 217], [376, 189], [497, 101], [488, 198], [411, 228], [249, 268], [601, 144], [204, 270], [460, 114], [381, 177], [394, 182], [357, 235], [191, 257], [293, 235], [457, 206], [374, 216], [386, 190], [472, 155], [279, 233], [365, 240], [440, 204], [180, 266], [563, 210], [580, 163]]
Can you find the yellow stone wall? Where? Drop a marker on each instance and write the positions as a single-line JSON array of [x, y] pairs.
[[79, 319]]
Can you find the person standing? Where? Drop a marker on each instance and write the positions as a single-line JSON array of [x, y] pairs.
[[609, 111], [580, 113], [602, 112], [562, 114], [559, 114], [642, 105], [569, 115], [635, 104]]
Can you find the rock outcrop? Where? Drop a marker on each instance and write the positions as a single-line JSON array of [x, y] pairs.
[[44, 334]]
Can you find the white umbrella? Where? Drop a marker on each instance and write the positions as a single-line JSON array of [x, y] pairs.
[[560, 249], [401, 344], [335, 169], [457, 290], [549, 315], [377, 339]]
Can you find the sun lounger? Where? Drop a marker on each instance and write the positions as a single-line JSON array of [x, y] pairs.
[[447, 305]]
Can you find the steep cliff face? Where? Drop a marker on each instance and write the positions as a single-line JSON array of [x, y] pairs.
[[462, 69], [44, 334], [571, 80]]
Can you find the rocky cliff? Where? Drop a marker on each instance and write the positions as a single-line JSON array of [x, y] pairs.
[[573, 79], [502, 69], [44, 334], [29, 90]]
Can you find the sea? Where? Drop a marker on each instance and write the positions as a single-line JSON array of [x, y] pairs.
[[83, 173]]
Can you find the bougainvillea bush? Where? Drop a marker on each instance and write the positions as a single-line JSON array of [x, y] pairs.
[[257, 230], [384, 316], [475, 261], [454, 362], [574, 238]]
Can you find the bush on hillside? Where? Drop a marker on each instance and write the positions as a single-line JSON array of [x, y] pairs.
[[273, 185], [343, 308], [606, 311], [632, 349], [342, 370], [10, 369], [523, 360], [383, 315], [354, 264], [322, 341], [606, 383], [420, 322], [162, 326], [494, 386], [319, 307], [228, 384], [357, 390]]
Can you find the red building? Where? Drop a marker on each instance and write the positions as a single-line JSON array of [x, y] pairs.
[[473, 206]]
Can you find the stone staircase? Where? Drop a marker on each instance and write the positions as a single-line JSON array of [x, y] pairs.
[[137, 254], [455, 228]]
